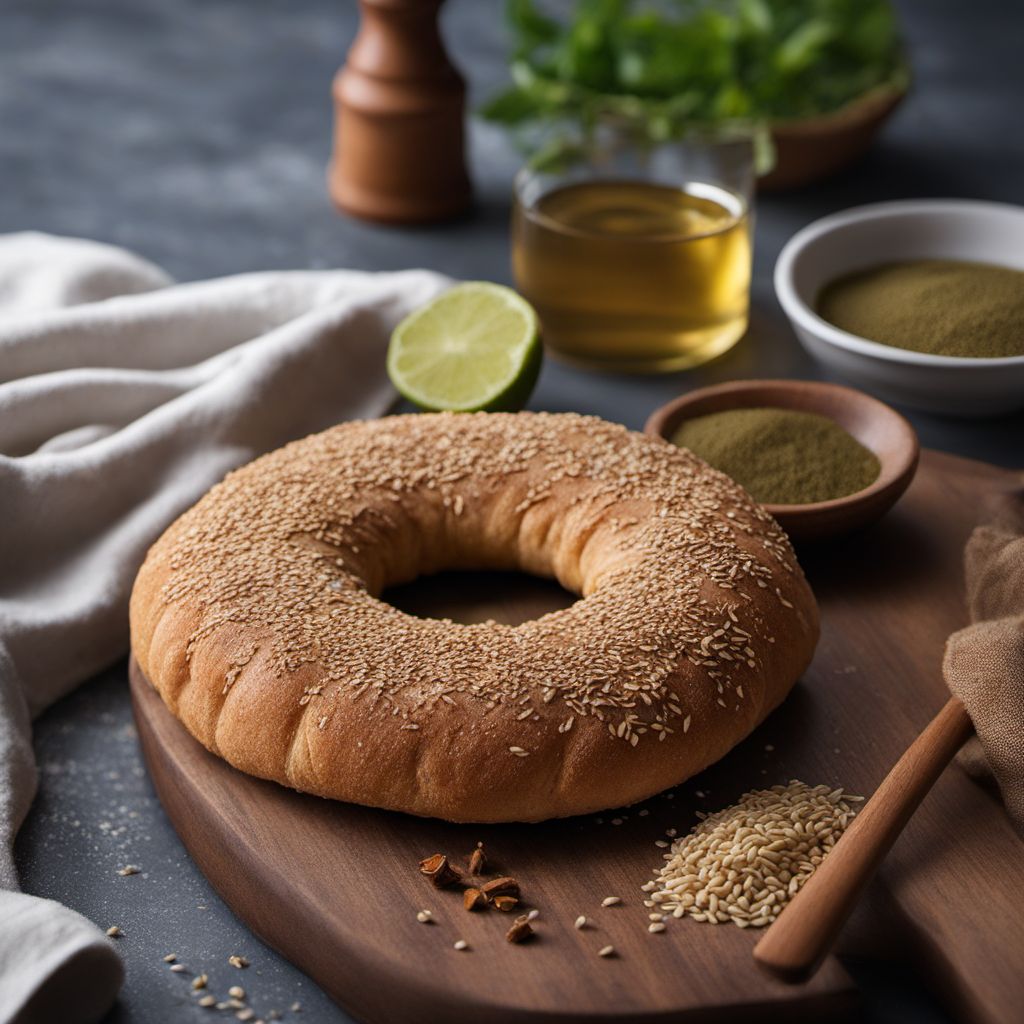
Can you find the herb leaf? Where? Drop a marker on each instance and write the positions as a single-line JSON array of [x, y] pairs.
[[670, 64]]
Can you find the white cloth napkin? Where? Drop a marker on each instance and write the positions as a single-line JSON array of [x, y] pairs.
[[123, 397]]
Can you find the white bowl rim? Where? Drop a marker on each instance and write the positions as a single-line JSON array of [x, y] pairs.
[[800, 312]]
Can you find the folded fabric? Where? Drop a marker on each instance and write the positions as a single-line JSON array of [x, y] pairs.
[[123, 398], [984, 663]]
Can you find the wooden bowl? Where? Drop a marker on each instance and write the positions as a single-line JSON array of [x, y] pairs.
[[874, 424], [813, 148]]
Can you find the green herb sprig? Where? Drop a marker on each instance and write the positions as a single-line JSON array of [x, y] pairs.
[[663, 68]]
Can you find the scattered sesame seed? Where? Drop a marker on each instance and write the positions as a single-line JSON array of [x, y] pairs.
[[606, 951], [245, 1014], [580, 922], [424, 917], [616, 821], [177, 968], [238, 961], [532, 915], [656, 926], [128, 869], [236, 992], [200, 981], [611, 901], [170, 958], [114, 932], [461, 944], [207, 1001]]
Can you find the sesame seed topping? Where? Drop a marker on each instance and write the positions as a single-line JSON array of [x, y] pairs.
[[580, 922], [673, 590], [606, 951], [461, 944], [611, 901]]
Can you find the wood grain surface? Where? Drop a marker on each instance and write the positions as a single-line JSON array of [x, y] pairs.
[[336, 888]]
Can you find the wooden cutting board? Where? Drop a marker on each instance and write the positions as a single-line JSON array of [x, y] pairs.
[[336, 889]]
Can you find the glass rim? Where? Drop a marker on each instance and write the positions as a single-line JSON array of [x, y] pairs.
[[739, 207]]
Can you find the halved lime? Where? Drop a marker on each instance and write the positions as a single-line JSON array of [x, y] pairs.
[[474, 347]]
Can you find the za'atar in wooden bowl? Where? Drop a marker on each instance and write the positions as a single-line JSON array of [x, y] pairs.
[[877, 426]]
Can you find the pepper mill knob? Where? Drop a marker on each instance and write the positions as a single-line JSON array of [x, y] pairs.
[[398, 136]]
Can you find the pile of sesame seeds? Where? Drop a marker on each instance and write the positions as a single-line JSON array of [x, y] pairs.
[[290, 553], [744, 863]]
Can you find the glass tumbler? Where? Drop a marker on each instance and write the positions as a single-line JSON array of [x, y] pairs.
[[637, 257]]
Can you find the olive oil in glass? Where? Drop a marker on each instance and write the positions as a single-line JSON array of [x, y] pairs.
[[633, 274]]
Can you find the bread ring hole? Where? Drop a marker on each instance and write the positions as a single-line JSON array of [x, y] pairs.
[[471, 596]]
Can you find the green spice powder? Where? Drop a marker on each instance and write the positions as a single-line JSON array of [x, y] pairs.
[[779, 456], [945, 307]]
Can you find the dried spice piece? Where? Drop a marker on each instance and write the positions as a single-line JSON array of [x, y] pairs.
[[504, 886], [506, 903], [474, 899], [520, 931], [478, 860], [439, 871]]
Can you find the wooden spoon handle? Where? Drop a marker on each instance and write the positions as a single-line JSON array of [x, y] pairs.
[[794, 946]]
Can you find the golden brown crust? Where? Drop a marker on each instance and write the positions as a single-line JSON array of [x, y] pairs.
[[256, 617]]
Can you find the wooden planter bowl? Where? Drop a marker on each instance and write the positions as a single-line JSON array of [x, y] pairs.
[[874, 424], [813, 148]]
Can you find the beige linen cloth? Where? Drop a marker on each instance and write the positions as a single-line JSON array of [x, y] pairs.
[[984, 663], [123, 397]]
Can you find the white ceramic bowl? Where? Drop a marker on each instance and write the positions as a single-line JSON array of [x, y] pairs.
[[955, 229]]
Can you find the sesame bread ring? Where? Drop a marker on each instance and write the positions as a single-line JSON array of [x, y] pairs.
[[257, 616]]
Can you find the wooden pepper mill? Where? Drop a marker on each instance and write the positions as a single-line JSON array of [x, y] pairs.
[[398, 134]]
